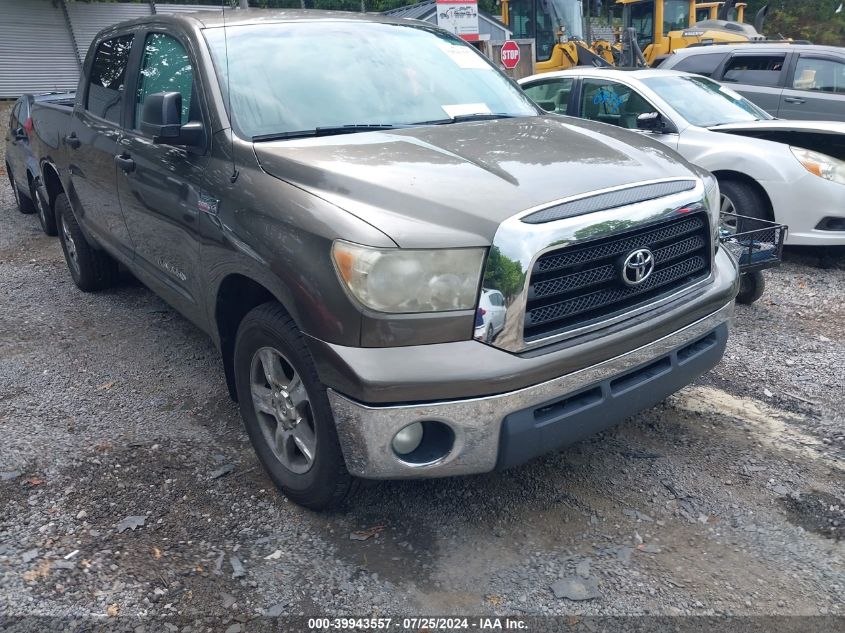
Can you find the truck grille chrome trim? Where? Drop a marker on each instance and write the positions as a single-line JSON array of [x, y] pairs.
[[609, 200], [563, 278], [560, 296]]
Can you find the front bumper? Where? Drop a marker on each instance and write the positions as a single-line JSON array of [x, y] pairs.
[[506, 429], [802, 204]]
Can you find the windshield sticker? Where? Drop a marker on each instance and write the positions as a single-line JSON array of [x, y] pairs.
[[465, 109], [464, 57]]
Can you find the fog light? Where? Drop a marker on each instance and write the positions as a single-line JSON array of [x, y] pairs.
[[408, 439]]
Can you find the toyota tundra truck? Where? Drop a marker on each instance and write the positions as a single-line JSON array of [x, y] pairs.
[[329, 196]]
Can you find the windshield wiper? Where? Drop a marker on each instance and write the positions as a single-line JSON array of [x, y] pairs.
[[328, 131], [461, 118]]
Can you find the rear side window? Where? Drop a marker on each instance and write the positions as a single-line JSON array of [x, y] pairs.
[[757, 70], [705, 64], [819, 75], [551, 95], [105, 81]]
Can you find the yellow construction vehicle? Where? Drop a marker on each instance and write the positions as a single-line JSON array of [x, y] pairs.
[[557, 28], [664, 26]]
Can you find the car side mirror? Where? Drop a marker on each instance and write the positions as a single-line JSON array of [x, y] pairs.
[[653, 122], [19, 134], [161, 118]]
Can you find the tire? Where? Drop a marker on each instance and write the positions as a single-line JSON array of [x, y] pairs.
[[488, 334], [283, 422], [23, 203], [46, 215], [91, 269], [751, 287], [743, 199]]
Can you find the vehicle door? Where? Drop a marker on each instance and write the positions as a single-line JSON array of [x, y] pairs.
[[15, 137], [95, 129], [759, 77], [553, 95], [159, 183], [616, 103], [498, 303], [816, 88]]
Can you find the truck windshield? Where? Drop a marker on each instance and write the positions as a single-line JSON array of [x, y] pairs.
[[300, 77], [704, 102]]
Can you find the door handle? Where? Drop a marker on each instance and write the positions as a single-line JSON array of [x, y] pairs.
[[125, 162], [796, 100], [72, 141]]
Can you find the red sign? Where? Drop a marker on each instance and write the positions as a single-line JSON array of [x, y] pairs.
[[510, 54]]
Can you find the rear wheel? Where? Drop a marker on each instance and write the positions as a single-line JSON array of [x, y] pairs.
[[91, 269], [286, 410], [23, 203], [45, 212]]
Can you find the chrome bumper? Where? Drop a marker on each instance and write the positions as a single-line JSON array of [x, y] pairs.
[[366, 432]]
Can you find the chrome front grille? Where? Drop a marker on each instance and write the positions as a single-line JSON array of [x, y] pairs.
[[577, 285]]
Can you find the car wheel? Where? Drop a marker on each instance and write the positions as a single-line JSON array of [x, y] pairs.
[[45, 212], [751, 287], [90, 268], [23, 203], [286, 410], [488, 334], [742, 199]]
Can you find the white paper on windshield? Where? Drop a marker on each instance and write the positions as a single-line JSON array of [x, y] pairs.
[[464, 57], [464, 109]]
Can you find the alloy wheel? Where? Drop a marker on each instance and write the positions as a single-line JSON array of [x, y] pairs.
[[70, 248], [283, 410]]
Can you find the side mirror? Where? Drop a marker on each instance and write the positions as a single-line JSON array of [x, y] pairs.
[[20, 135], [161, 118], [653, 122]]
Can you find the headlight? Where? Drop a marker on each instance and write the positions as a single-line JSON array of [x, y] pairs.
[[405, 280], [822, 165]]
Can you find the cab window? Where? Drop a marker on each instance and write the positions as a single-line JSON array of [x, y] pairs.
[[105, 80], [612, 102], [757, 70], [551, 95], [165, 67], [819, 75], [704, 64]]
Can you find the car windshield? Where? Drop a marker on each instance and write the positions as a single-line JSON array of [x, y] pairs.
[[704, 102], [342, 75]]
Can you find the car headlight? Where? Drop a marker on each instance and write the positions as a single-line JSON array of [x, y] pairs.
[[399, 280], [822, 165]]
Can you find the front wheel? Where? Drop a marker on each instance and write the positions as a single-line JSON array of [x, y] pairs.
[[23, 203], [286, 410]]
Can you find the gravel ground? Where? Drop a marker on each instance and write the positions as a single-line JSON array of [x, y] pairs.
[[127, 485]]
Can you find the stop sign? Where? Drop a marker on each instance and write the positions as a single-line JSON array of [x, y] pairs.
[[510, 54]]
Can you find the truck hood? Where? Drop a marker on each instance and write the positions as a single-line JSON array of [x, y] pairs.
[[452, 185], [827, 137]]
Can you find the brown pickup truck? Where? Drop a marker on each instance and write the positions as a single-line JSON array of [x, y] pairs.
[[346, 202]]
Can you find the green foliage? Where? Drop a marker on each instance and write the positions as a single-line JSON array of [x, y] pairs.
[[503, 273], [814, 20]]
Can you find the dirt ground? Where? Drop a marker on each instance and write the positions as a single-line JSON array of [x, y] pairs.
[[127, 485]]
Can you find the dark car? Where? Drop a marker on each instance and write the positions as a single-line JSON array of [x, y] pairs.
[[789, 81], [328, 195], [21, 165]]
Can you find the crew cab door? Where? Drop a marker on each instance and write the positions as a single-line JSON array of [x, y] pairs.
[[91, 144], [757, 76], [159, 184], [816, 88]]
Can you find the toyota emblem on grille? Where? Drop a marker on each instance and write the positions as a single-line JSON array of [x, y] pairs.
[[637, 267]]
